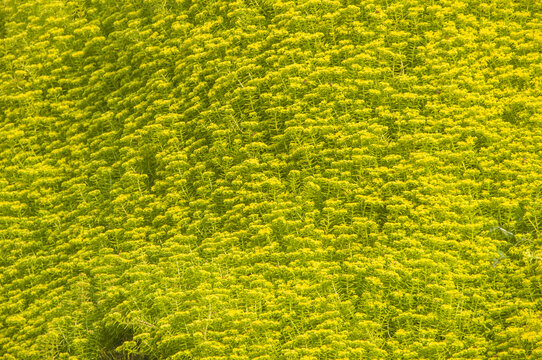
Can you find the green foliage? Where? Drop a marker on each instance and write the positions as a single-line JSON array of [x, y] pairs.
[[268, 179]]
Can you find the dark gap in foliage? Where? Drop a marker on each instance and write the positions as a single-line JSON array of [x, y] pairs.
[[149, 168], [481, 141], [193, 11], [265, 8], [517, 113], [107, 26], [391, 325], [146, 11], [32, 208], [521, 225], [509, 116], [172, 6], [3, 31], [392, 132], [381, 216], [360, 285], [111, 337]]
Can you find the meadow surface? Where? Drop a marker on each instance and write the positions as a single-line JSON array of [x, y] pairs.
[[267, 179]]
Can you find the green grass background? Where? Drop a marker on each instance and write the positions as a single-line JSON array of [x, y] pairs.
[[270, 179]]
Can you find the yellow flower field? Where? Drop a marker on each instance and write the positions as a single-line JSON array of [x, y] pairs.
[[267, 179]]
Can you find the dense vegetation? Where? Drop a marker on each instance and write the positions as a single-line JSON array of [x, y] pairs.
[[262, 179]]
